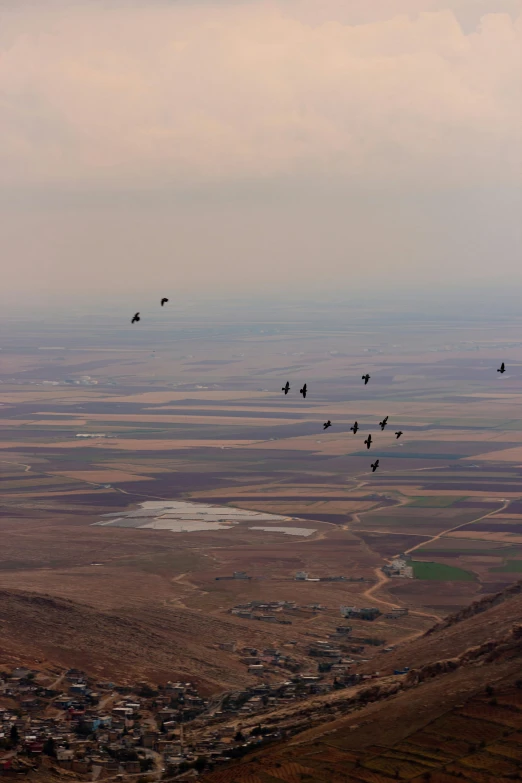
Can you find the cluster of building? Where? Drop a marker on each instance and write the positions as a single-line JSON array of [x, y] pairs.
[[399, 568], [266, 661], [366, 613], [85, 725], [104, 730], [270, 611], [236, 575]]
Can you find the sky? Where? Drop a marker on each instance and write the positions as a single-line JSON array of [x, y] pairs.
[[224, 146]]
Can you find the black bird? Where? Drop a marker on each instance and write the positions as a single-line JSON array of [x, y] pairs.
[[303, 391], [327, 424], [383, 423], [502, 368], [375, 465], [164, 300], [369, 441], [398, 434], [365, 378], [355, 428], [136, 318], [286, 388]]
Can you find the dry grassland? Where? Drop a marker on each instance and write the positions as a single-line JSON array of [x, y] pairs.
[[182, 418], [297, 507], [487, 536], [130, 444], [506, 455], [276, 491], [101, 476], [14, 422], [164, 397]]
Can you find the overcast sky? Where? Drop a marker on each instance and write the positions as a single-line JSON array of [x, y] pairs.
[[174, 145]]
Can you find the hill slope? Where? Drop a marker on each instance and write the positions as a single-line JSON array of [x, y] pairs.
[[457, 714], [154, 642]]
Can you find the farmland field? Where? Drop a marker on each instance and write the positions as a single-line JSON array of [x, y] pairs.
[[203, 419], [440, 572], [510, 567], [434, 502]]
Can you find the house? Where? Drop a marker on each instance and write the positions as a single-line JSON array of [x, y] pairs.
[[78, 688], [399, 568], [301, 576], [396, 613], [64, 754]]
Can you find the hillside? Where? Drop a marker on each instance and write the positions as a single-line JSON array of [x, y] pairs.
[[456, 716], [154, 642]]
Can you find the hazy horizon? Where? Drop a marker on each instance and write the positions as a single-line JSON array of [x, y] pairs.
[[258, 148]]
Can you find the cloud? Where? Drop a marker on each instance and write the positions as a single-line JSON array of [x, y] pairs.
[[175, 95]]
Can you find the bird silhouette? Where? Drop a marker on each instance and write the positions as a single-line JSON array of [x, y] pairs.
[[164, 300], [501, 368], [135, 318], [383, 423], [365, 378], [355, 428], [398, 434], [327, 424], [303, 391], [375, 465], [368, 441], [286, 388]]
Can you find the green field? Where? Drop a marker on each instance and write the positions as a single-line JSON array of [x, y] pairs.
[[509, 567], [434, 502], [440, 572]]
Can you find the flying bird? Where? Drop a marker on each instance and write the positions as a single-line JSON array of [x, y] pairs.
[[375, 465], [303, 391], [164, 300], [365, 378], [398, 434], [501, 368], [355, 428], [327, 424], [286, 388], [135, 318], [383, 423], [368, 441]]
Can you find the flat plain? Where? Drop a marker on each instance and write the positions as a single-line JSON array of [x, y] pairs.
[[191, 409]]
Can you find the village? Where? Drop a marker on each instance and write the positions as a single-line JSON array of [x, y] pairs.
[[67, 720]]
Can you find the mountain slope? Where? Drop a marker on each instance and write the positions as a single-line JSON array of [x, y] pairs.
[[152, 642], [457, 714]]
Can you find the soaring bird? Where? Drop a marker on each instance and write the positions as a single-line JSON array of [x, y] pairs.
[[355, 428], [368, 441], [286, 388], [327, 424], [303, 391], [398, 434], [501, 368], [135, 318], [375, 465], [383, 423], [365, 378], [164, 300]]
